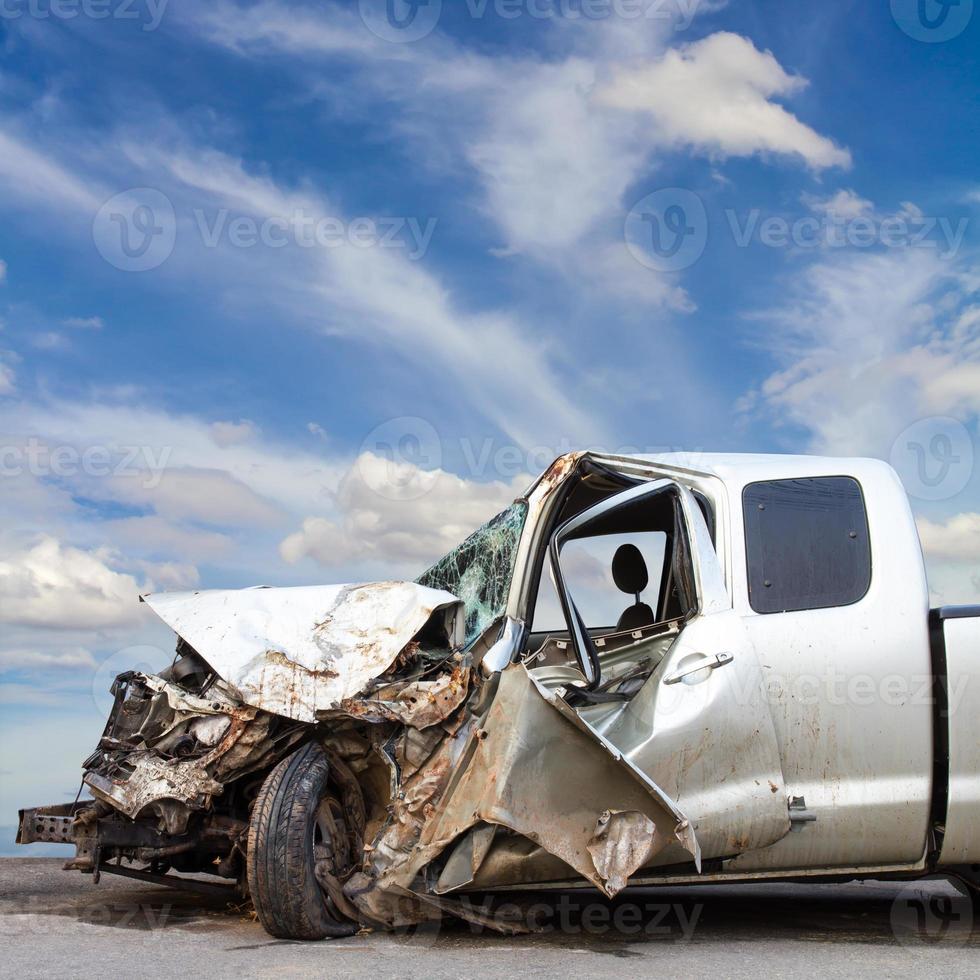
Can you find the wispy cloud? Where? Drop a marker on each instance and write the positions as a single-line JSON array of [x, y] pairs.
[[32, 174], [869, 343], [555, 140], [84, 322]]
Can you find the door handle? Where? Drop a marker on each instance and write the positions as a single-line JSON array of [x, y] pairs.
[[709, 663]]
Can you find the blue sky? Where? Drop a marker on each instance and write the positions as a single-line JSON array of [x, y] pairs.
[[289, 297]]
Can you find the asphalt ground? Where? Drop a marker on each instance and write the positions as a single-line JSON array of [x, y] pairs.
[[55, 923]]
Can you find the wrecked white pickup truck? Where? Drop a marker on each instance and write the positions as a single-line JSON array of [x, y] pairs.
[[645, 671]]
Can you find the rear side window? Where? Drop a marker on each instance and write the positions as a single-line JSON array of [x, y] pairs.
[[807, 544]]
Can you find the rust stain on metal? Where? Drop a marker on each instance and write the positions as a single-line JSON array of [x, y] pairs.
[[558, 472]]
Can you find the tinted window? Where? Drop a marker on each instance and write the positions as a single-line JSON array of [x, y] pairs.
[[807, 544]]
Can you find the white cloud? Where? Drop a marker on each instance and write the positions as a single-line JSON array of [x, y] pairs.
[[76, 658], [714, 95], [292, 479], [168, 576], [158, 536], [3, 271], [271, 26], [552, 163], [377, 295], [209, 496], [843, 205], [8, 377], [553, 156], [612, 269], [56, 586], [248, 497], [233, 433], [869, 343], [50, 340], [955, 540], [32, 173], [85, 323], [435, 512]]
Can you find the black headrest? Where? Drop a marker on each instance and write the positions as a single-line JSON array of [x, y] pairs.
[[630, 570]]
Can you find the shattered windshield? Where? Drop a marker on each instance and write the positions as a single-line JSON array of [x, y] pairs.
[[480, 569]]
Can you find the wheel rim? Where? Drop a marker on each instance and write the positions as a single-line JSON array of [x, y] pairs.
[[330, 848]]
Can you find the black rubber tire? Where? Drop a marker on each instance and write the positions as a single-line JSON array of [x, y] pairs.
[[281, 880]]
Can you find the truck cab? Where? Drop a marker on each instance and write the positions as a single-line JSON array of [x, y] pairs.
[[869, 696]]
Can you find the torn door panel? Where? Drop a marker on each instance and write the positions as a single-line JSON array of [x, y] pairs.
[[523, 769]]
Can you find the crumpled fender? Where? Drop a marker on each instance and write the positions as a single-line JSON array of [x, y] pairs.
[[299, 651]]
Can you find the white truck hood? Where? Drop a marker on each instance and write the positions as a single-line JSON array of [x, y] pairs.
[[294, 652]]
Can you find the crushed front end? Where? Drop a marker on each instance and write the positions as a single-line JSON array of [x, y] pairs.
[[184, 754], [169, 777], [365, 755]]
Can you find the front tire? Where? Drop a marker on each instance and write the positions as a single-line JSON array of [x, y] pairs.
[[287, 835]]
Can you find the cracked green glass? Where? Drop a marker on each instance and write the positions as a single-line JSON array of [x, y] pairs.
[[480, 570]]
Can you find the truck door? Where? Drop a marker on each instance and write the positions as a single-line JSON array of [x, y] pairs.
[[830, 585], [674, 687]]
